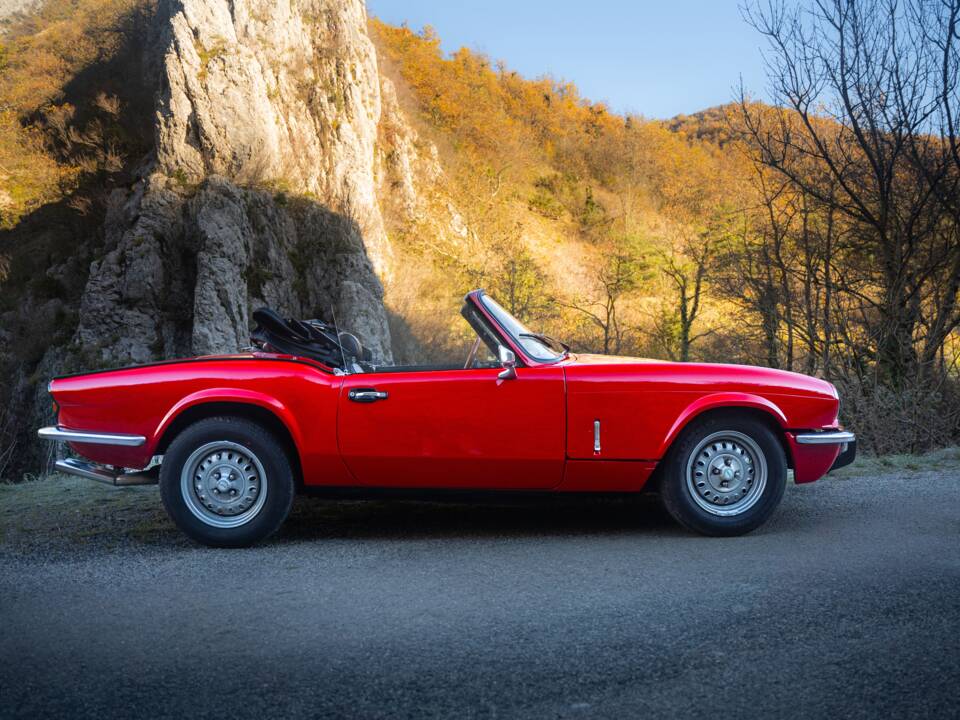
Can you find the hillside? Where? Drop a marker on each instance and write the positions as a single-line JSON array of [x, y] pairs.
[[564, 203], [746, 233], [168, 165], [452, 172]]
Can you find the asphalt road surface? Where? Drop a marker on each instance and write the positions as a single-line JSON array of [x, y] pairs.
[[846, 605]]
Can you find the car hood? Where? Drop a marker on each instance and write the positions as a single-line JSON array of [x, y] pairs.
[[714, 373], [590, 359]]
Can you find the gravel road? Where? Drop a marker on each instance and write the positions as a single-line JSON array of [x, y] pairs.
[[846, 604]]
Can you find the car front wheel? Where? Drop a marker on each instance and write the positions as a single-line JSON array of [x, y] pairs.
[[725, 475], [226, 482]]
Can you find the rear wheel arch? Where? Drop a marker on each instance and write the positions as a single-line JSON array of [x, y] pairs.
[[227, 481], [245, 410]]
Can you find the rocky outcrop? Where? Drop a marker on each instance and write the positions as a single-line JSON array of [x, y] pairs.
[[262, 189], [410, 176], [407, 163], [275, 92], [11, 7]]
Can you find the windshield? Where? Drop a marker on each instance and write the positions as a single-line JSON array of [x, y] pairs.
[[537, 346]]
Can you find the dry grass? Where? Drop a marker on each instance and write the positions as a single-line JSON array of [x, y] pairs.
[[65, 510], [944, 459], [62, 512]]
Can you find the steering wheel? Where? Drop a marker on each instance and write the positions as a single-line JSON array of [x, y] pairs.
[[472, 355]]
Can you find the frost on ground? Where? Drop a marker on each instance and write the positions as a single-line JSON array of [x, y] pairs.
[[61, 512]]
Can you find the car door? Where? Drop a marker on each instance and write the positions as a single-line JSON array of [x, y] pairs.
[[454, 429]]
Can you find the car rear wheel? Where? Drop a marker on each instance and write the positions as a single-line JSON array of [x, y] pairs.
[[725, 475], [226, 482]]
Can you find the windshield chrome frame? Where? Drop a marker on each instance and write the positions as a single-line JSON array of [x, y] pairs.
[[478, 297]]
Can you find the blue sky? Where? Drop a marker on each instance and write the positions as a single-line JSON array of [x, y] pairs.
[[653, 58]]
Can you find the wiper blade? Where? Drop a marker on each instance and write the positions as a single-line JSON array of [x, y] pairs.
[[550, 342], [556, 343]]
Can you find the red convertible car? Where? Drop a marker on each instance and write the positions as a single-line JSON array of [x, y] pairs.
[[231, 439]]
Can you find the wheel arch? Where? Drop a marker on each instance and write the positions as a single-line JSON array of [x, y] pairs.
[[189, 412], [752, 406]]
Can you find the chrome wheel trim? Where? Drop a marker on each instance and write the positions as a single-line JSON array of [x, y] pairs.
[[726, 473], [223, 484]]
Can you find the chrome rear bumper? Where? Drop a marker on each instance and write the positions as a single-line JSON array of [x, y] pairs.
[[90, 438], [101, 473]]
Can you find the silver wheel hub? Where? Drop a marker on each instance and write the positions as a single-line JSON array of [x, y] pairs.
[[223, 484], [726, 473]]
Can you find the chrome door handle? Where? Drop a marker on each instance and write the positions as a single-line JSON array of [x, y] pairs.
[[366, 395]]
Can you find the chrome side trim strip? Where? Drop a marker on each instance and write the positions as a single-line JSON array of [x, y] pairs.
[[838, 437], [90, 438]]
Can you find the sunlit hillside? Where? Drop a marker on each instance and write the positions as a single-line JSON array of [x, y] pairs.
[[585, 222], [47, 142], [776, 234]]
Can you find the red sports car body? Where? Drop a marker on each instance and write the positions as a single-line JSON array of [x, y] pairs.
[[534, 417]]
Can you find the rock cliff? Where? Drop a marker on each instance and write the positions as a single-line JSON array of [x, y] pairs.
[[260, 188]]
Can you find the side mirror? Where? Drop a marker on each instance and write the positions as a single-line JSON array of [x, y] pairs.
[[508, 361]]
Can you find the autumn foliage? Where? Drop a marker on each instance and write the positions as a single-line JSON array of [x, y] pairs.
[[42, 139], [813, 235], [597, 211], [818, 233]]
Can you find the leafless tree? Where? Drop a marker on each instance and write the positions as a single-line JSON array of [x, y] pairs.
[[850, 129], [616, 277], [686, 273]]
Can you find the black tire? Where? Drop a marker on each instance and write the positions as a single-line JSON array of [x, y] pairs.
[[680, 497], [199, 443]]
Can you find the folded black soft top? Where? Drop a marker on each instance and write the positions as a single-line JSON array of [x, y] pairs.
[[307, 338]]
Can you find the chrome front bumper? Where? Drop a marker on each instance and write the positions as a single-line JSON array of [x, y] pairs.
[[90, 438], [846, 440], [838, 437]]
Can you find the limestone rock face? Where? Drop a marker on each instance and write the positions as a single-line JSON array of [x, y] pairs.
[[276, 143], [122, 318], [410, 176], [407, 167], [285, 92], [9, 7], [262, 190]]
